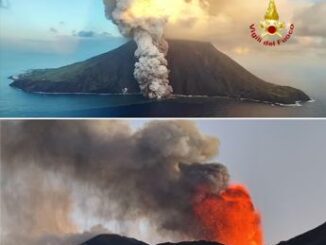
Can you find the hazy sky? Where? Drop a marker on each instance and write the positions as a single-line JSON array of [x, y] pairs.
[[283, 163], [40, 19], [228, 27]]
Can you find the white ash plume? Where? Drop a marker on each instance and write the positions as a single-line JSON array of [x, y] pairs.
[[151, 70]]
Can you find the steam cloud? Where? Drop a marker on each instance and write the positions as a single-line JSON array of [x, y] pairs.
[[151, 70], [146, 27], [151, 173]]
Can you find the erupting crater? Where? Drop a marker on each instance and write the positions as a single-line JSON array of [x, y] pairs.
[[230, 218], [196, 69]]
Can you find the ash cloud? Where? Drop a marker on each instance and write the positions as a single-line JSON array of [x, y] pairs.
[[147, 26], [151, 173], [151, 70]]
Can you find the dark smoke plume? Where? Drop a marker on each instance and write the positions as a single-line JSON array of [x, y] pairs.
[[150, 173]]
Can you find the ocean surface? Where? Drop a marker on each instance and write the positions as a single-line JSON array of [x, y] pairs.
[[18, 104]]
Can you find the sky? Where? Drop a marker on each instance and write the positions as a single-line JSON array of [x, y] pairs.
[[226, 25], [53, 26], [283, 164], [33, 19]]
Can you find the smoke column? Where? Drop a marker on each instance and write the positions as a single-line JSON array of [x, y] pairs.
[[144, 21], [151, 70], [151, 173]]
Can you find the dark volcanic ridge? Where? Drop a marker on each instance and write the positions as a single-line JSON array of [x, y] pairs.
[[120, 240], [113, 240], [196, 69], [192, 243], [316, 236]]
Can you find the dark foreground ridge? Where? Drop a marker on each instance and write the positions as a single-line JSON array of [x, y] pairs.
[[197, 68], [113, 240], [316, 236], [120, 240], [192, 243]]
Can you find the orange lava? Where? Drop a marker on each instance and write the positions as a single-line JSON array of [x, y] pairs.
[[230, 218]]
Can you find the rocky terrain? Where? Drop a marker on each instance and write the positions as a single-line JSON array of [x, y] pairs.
[[316, 236], [119, 240], [113, 240]]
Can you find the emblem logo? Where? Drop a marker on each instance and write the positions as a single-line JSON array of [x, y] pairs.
[[271, 31]]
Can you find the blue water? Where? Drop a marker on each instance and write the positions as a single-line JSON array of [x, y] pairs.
[[16, 103]]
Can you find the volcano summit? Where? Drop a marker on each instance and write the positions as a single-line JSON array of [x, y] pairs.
[[196, 69], [316, 236], [119, 240]]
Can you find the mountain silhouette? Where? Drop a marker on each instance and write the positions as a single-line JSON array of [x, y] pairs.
[[113, 240], [196, 68], [120, 240], [316, 236]]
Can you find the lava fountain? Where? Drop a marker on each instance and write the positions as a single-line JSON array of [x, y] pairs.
[[230, 217]]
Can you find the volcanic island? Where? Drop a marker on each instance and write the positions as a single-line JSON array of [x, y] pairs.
[[197, 69]]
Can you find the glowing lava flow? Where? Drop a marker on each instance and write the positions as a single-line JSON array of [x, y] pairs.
[[230, 217]]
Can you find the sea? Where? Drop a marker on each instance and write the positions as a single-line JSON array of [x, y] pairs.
[[15, 103]]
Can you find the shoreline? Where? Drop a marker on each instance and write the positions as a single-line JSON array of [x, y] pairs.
[[175, 96]]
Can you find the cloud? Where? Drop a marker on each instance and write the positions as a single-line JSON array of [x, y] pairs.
[[4, 4], [53, 30], [106, 34], [311, 21], [69, 239], [107, 171], [227, 26], [92, 34], [86, 34], [311, 28]]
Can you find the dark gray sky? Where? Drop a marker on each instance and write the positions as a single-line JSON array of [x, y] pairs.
[[283, 163]]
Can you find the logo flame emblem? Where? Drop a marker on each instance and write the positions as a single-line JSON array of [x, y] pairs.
[[272, 24], [271, 31]]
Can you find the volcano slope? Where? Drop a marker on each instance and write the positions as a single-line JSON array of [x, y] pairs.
[[119, 240], [197, 68], [316, 236], [113, 240]]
